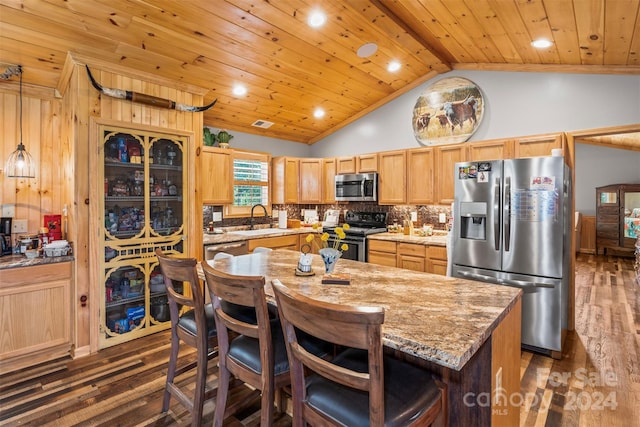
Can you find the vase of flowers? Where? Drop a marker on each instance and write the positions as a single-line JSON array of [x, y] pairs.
[[330, 253]]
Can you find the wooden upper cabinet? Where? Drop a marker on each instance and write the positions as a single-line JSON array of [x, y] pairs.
[[346, 165], [310, 181], [392, 178], [284, 177], [328, 180], [355, 164], [446, 158], [491, 150], [367, 163], [538, 145], [217, 176], [420, 171]]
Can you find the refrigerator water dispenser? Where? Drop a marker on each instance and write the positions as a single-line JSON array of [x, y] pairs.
[[473, 220]]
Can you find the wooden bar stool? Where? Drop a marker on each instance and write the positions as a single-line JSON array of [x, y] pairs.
[[195, 327], [257, 356], [359, 387]]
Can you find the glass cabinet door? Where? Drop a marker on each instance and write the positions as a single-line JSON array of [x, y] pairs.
[[144, 207]]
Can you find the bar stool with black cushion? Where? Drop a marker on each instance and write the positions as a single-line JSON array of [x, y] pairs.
[[359, 386], [257, 355], [195, 327]]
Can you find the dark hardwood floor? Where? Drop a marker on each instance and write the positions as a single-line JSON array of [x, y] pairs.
[[596, 383]]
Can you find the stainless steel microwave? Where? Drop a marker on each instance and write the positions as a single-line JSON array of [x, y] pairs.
[[357, 187]]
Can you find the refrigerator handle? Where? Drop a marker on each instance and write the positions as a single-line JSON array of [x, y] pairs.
[[524, 285], [496, 214], [507, 213]]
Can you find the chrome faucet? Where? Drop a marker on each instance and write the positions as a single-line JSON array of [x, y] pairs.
[[266, 215]]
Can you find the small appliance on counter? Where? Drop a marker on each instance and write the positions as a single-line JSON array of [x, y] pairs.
[[5, 237]]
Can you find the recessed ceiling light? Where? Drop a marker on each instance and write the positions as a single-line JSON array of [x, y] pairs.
[[316, 19], [367, 49], [541, 43], [239, 90], [393, 66], [318, 113]]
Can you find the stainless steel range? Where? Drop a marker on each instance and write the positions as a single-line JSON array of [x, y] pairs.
[[361, 225]]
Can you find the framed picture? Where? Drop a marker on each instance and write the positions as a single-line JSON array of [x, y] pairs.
[[448, 112]]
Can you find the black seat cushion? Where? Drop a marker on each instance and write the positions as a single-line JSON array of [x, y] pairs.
[[187, 321], [246, 350], [240, 312], [408, 391]]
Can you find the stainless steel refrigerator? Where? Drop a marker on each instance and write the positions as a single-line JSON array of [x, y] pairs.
[[512, 228]]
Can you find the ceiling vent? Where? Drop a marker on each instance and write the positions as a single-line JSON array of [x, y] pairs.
[[262, 124]]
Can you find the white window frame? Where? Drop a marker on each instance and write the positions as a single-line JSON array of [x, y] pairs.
[[234, 211]]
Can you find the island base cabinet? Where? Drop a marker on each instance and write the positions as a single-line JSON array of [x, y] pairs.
[[35, 305], [486, 391]]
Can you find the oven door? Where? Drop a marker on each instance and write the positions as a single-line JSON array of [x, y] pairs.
[[357, 250]]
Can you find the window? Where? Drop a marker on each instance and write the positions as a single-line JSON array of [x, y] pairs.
[[250, 183]]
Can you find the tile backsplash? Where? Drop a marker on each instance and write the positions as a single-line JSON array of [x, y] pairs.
[[427, 214]]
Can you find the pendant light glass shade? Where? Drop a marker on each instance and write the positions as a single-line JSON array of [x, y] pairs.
[[20, 164]]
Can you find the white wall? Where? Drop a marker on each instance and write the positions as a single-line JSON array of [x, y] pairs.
[[516, 104], [598, 166], [277, 147]]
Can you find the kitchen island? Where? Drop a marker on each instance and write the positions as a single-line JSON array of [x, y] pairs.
[[466, 333]]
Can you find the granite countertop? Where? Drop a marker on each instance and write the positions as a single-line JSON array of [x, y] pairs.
[[436, 318], [15, 261], [230, 236], [438, 239]]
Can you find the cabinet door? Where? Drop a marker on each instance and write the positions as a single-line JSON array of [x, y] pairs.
[[536, 146], [381, 252], [284, 178], [392, 178], [143, 206], [367, 163], [217, 179], [491, 150], [420, 170], [310, 181], [446, 159], [328, 180], [411, 256], [346, 165], [437, 260]]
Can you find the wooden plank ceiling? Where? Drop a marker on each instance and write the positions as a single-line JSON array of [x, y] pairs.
[[290, 69]]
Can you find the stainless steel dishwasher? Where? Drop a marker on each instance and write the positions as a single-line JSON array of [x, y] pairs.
[[233, 248]]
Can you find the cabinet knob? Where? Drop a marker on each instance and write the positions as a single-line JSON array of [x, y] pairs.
[[83, 301]]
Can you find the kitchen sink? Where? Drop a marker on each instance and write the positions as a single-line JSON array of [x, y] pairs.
[[258, 232]]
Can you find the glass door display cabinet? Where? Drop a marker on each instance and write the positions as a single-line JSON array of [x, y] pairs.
[[144, 203]]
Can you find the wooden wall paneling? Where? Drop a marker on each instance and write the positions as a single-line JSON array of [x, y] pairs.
[[8, 142], [81, 179]]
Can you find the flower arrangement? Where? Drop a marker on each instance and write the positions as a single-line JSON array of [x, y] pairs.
[[324, 238]]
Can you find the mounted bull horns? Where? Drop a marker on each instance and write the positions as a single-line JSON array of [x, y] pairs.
[[146, 99]]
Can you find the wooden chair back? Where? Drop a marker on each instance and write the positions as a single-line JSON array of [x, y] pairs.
[[355, 327], [178, 273]]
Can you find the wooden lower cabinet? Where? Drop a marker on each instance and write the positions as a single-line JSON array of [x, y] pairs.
[[411, 256], [437, 260], [279, 242], [36, 309], [382, 252]]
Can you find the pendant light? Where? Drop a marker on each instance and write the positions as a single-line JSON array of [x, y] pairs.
[[20, 164]]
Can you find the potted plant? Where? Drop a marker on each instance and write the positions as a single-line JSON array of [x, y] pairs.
[[209, 137], [223, 138]]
